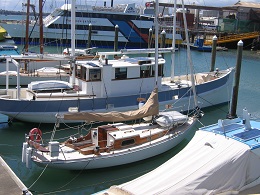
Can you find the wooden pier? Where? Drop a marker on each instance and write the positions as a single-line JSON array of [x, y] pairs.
[[9, 183]]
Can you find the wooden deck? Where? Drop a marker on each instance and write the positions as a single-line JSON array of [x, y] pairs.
[[9, 183]]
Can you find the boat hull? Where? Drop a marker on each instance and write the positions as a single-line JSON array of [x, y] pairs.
[[111, 159], [44, 111]]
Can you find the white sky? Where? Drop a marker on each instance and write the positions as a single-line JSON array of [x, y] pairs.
[[51, 4]]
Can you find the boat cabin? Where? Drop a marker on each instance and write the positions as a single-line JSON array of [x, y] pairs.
[[110, 77], [115, 136]]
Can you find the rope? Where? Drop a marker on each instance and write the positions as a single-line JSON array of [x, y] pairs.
[[38, 177]]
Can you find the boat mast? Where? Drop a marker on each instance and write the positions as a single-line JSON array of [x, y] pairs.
[[156, 39], [189, 55], [41, 26], [27, 26], [173, 41], [73, 15]]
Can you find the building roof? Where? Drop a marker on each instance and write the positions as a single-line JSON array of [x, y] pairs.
[[247, 4]]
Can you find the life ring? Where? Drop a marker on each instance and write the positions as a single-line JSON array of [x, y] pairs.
[[35, 134]]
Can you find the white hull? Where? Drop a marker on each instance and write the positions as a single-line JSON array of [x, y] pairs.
[[207, 99], [125, 156]]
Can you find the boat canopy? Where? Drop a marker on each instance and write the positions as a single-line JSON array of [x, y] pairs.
[[150, 108], [209, 164]]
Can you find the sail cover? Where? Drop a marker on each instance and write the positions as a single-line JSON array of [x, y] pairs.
[[209, 164], [151, 107]]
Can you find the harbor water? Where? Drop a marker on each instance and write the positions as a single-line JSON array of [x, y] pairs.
[[54, 181]]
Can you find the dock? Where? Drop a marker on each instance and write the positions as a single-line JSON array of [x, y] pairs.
[[9, 183]]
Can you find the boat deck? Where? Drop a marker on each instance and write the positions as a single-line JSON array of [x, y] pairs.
[[237, 131]]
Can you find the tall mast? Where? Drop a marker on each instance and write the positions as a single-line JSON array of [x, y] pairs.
[[189, 55], [73, 15], [26, 47], [41, 26], [173, 41], [156, 39]]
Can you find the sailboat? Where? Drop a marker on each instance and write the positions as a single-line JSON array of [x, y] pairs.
[[222, 158], [115, 143], [110, 84]]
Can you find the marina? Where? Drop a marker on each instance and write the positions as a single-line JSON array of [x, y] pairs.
[[91, 181], [77, 180]]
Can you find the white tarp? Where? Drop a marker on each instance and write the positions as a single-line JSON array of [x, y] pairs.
[[209, 164]]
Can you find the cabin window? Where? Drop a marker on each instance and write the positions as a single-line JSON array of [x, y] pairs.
[[120, 73], [83, 73], [78, 71], [127, 142], [148, 71], [145, 71], [94, 74], [160, 70]]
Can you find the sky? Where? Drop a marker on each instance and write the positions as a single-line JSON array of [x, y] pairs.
[[51, 4]]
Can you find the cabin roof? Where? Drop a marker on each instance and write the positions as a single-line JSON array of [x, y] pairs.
[[125, 62]]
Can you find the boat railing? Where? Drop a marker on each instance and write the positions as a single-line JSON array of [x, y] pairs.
[[136, 51]]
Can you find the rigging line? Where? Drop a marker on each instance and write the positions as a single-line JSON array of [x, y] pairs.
[[38, 177], [92, 89], [216, 106], [11, 120], [182, 96], [224, 59], [105, 90], [104, 182], [72, 127], [75, 175], [140, 88], [201, 123], [53, 131]]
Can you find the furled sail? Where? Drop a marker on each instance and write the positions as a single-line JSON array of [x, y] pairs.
[[151, 107]]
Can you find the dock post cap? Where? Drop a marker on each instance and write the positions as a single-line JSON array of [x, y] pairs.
[[215, 38], [240, 43], [163, 32]]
